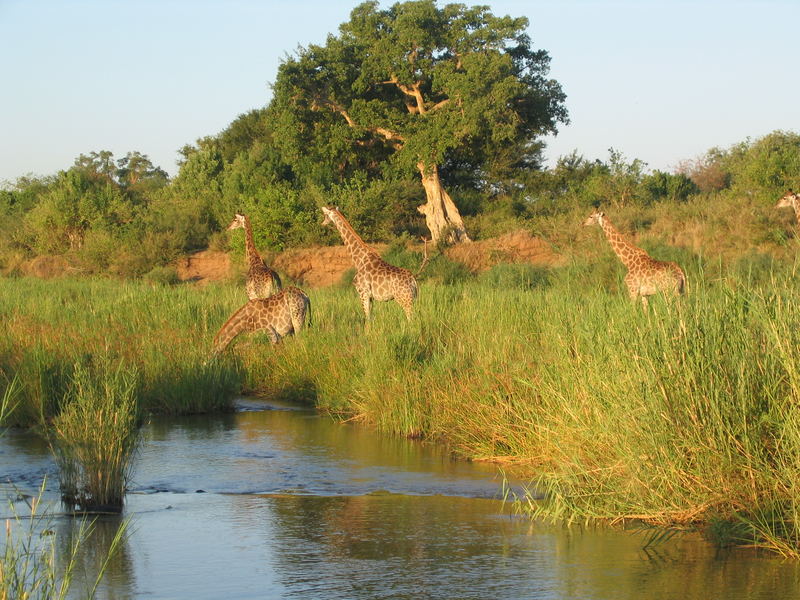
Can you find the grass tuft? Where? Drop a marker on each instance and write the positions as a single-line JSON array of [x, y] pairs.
[[95, 436]]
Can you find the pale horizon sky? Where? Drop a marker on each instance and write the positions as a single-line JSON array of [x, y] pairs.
[[658, 81]]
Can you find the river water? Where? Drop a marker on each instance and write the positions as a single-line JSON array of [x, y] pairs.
[[278, 502]]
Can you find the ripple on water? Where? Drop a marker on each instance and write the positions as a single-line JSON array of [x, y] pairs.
[[296, 506]]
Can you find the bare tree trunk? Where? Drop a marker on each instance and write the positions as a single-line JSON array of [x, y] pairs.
[[441, 214]]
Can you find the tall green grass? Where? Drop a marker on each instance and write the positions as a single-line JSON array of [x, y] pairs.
[[682, 414], [158, 330], [85, 359], [95, 437], [685, 413]]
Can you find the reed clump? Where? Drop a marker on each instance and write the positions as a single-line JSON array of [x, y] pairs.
[[95, 436], [29, 568]]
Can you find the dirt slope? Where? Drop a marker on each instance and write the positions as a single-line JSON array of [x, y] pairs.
[[324, 265], [205, 266]]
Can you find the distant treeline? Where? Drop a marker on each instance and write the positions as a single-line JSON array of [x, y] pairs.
[[126, 217], [415, 120]]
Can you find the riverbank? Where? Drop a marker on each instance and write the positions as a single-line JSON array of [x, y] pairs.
[[295, 505], [683, 415]]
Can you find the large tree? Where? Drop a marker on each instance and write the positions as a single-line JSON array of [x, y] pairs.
[[417, 87]]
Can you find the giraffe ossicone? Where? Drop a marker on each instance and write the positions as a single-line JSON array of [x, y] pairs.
[[262, 281], [279, 315], [646, 276], [375, 278]]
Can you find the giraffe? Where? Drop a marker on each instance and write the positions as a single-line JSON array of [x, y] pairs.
[[375, 278], [279, 315], [790, 200], [646, 276], [261, 280]]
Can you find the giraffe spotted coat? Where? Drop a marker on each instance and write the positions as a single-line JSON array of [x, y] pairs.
[[278, 315], [646, 276], [375, 278], [261, 280]]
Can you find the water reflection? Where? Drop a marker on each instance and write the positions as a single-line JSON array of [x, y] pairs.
[[97, 536], [402, 547], [296, 451], [281, 503], [609, 565]]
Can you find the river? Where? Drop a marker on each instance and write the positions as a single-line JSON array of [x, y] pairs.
[[278, 502]]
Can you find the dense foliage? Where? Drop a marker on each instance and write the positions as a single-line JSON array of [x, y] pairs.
[[281, 162], [127, 218]]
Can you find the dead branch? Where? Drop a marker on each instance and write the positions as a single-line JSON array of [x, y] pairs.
[[424, 255]]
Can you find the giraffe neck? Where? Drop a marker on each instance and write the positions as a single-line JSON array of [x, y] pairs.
[[252, 255], [361, 254], [625, 251]]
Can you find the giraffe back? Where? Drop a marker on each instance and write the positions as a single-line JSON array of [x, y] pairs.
[[261, 281], [388, 282], [279, 315], [650, 276]]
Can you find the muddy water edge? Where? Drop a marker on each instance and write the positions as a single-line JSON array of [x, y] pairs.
[[275, 501]]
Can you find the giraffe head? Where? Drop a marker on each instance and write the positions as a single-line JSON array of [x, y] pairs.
[[596, 217], [329, 212], [237, 223], [788, 200]]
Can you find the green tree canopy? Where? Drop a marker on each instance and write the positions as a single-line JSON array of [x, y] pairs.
[[417, 88]]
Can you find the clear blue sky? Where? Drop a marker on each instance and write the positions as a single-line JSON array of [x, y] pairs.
[[659, 81]]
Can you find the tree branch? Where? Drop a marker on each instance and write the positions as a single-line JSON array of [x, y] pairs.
[[416, 107], [390, 136]]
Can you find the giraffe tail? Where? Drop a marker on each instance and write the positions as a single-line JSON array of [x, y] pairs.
[[300, 313], [424, 257], [683, 283]]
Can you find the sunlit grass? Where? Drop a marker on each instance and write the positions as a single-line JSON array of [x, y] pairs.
[[677, 415], [160, 331], [95, 437], [682, 414], [34, 567]]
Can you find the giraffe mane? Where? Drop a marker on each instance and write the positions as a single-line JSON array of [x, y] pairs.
[[227, 323], [346, 224]]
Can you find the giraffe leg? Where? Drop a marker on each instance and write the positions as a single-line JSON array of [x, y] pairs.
[[274, 336], [364, 292], [406, 302], [366, 303], [407, 308]]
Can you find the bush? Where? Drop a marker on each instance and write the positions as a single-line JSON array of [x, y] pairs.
[[443, 270], [660, 186]]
